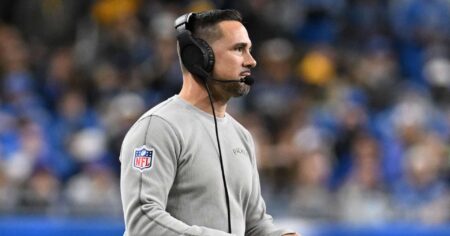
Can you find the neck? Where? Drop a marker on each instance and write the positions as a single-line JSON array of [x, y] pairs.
[[195, 94]]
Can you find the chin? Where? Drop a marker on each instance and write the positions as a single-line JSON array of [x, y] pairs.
[[234, 89], [242, 91]]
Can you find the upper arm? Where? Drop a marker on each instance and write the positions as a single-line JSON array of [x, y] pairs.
[[148, 186]]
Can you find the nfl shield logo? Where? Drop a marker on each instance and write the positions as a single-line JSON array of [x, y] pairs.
[[143, 158]]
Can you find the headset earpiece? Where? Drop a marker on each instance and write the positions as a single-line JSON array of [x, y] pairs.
[[194, 52], [208, 55]]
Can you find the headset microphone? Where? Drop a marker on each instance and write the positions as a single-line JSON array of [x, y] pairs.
[[246, 80]]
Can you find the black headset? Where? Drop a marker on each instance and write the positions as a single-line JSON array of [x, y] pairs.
[[196, 54]]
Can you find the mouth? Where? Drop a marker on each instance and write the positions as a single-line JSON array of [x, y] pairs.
[[245, 73]]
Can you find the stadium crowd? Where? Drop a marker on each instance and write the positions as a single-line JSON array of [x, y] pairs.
[[350, 109]]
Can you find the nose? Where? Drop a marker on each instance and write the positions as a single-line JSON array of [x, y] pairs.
[[249, 61]]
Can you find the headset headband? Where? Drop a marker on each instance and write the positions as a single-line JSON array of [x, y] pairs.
[[185, 22]]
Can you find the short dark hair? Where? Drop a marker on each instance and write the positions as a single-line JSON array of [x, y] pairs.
[[205, 24]]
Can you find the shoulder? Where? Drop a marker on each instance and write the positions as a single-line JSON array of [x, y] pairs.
[[165, 110], [161, 118]]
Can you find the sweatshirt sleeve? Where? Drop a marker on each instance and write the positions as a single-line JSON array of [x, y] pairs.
[[149, 158], [258, 222]]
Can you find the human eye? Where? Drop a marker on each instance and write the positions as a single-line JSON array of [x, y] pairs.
[[240, 47]]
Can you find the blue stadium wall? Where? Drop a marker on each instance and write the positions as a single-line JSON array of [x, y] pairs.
[[39, 226]]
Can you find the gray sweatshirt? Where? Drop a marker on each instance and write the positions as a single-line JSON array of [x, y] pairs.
[[171, 180]]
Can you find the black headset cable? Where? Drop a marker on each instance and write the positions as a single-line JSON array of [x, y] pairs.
[[227, 198]]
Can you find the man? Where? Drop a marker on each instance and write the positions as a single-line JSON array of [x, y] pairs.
[[175, 178]]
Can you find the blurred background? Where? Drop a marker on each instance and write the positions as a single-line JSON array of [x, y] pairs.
[[350, 110]]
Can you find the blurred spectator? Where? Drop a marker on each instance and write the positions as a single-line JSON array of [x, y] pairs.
[[310, 194], [73, 115], [275, 91], [109, 12], [107, 84], [376, 70], [88, 145], [437, 73], [40, 194], [317, 66], [9, 193], [94, 191], [363, 198], [341, 117], [419, 24], [364, 19], [422, 195], [122, 111], [311, 197], [30, 151], [19, 88], [61, 76], [410, 119], [320, 25]]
